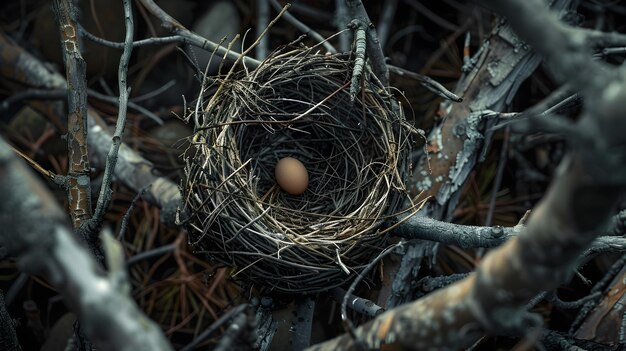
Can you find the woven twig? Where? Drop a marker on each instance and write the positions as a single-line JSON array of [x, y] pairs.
[[296, 104]]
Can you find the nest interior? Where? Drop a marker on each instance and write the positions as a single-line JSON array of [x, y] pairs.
[[296, 104]]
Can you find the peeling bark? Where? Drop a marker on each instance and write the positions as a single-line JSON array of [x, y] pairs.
[[22, 70], [78, 189], [577, 206]]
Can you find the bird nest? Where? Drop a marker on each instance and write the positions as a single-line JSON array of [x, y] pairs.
[[296, 104]]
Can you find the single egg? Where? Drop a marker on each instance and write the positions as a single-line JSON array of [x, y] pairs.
[[292, 176]]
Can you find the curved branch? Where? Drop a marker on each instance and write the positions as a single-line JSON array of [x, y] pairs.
[[35, 230], [577, 206], [171, 24], [132, 169]]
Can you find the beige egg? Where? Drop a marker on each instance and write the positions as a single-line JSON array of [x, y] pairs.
[[292, 176]]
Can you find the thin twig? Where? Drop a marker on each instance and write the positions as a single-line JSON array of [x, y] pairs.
[[347, 323], [250, 48], [438, 20], [33, 94], [106, 193], [426, 82], [130, 104], [135, 44], [215, 326], [35, 165], [58, 94], [600, 286], [192, 38], [153, 93], [568, 305], [124, 223], [498, 180], [240, 334], [151, 253], [304, 28]]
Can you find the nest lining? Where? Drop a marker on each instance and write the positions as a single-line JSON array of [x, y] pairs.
[[296, 104]]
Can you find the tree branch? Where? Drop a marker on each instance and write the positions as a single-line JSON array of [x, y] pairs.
[[304, 28], [577, 206], [171, 24], [459, 142], [375, 53], [131, 169], [35, 230], [106, 194], [473, 237], [78, 190]]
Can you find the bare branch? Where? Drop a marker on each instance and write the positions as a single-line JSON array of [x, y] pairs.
[[232, 313], [375, 53], [304, 28], [472, 237], [578, 204], [58, 94], [131, 169], [78, 191], [358, 304], [35, 230], [106, 194], [360, 45], [136, 44], [426, 82], [171, 24]]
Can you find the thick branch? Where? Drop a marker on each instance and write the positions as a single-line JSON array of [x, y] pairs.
[[78, 190], [456, 146], [131, 169], [577, 206], [560, 44], [35, 230], [472, 237], [374, 51], [493, 297]]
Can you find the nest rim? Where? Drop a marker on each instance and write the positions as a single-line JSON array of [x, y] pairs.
[[289, 106]]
